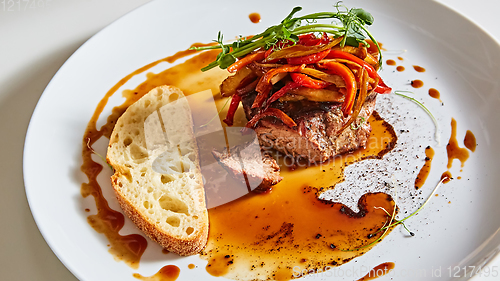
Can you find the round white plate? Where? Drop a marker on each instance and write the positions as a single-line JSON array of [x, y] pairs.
[[462, 62]]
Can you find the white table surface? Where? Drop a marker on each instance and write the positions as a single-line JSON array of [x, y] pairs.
[[35, 40]]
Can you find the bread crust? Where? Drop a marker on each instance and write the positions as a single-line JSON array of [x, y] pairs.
[[196, 215]]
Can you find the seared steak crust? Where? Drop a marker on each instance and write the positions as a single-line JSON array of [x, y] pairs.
[[317, 136]]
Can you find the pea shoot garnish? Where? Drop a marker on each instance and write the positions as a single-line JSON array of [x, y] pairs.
[[394, 222], [436, 124], [349, 24]]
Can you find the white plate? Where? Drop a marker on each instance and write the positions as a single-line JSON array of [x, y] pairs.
[[462, 62]]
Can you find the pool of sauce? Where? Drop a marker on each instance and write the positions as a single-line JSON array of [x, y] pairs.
[[254, 17], [166, 273], [378, 271], [400, 68], [426, 168], [268, 234]]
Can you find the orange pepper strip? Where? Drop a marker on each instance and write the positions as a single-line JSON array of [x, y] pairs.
[[245, 61], [264, 86], [275, 113], [382, 87], [350, 83]]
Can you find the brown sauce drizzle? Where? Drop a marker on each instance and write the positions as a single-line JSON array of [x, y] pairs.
[[292, 225], [378, 271], [128, 248], [321, 229], [418, 68], [452, 148], [417, 83], [191, 266], [435, 94], [400, 58], [400, 68], [254, 17], [166, 273], [425, 170], [390, 62], [470, 141]]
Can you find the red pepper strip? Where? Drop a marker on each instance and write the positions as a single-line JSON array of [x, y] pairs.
[[263, 89], [281, 92], [382, 88], [371, 71], [308, 40], [311, 40], [264, 86], [245, 61], [308, 82], [350, 83], [285, 68], [235, 102], [314, 58], [272, 112]]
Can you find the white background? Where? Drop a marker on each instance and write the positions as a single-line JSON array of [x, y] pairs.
[[36, 37]]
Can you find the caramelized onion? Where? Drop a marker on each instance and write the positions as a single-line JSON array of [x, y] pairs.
[[232, 83], [318, 95]]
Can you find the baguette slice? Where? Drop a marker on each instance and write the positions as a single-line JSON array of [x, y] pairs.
[[157, 178]]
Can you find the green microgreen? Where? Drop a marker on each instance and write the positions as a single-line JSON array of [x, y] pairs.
[[363, 120], [393, 222], [349, 23], [99, 155], [436, 133], [218, 113]]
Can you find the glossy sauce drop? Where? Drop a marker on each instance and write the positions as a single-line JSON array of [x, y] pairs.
[[418, 68], [191, 266], [424, 171], [128, 248], [378, 271], [452, 148], [400, 58], [290, 224], [166, 273], [470, 141], [254, 17], [400, 68], [435, 94], [417, 83], [390, 62], [447, 177]]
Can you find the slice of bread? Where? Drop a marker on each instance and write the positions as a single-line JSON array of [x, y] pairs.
[[157, 177]]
